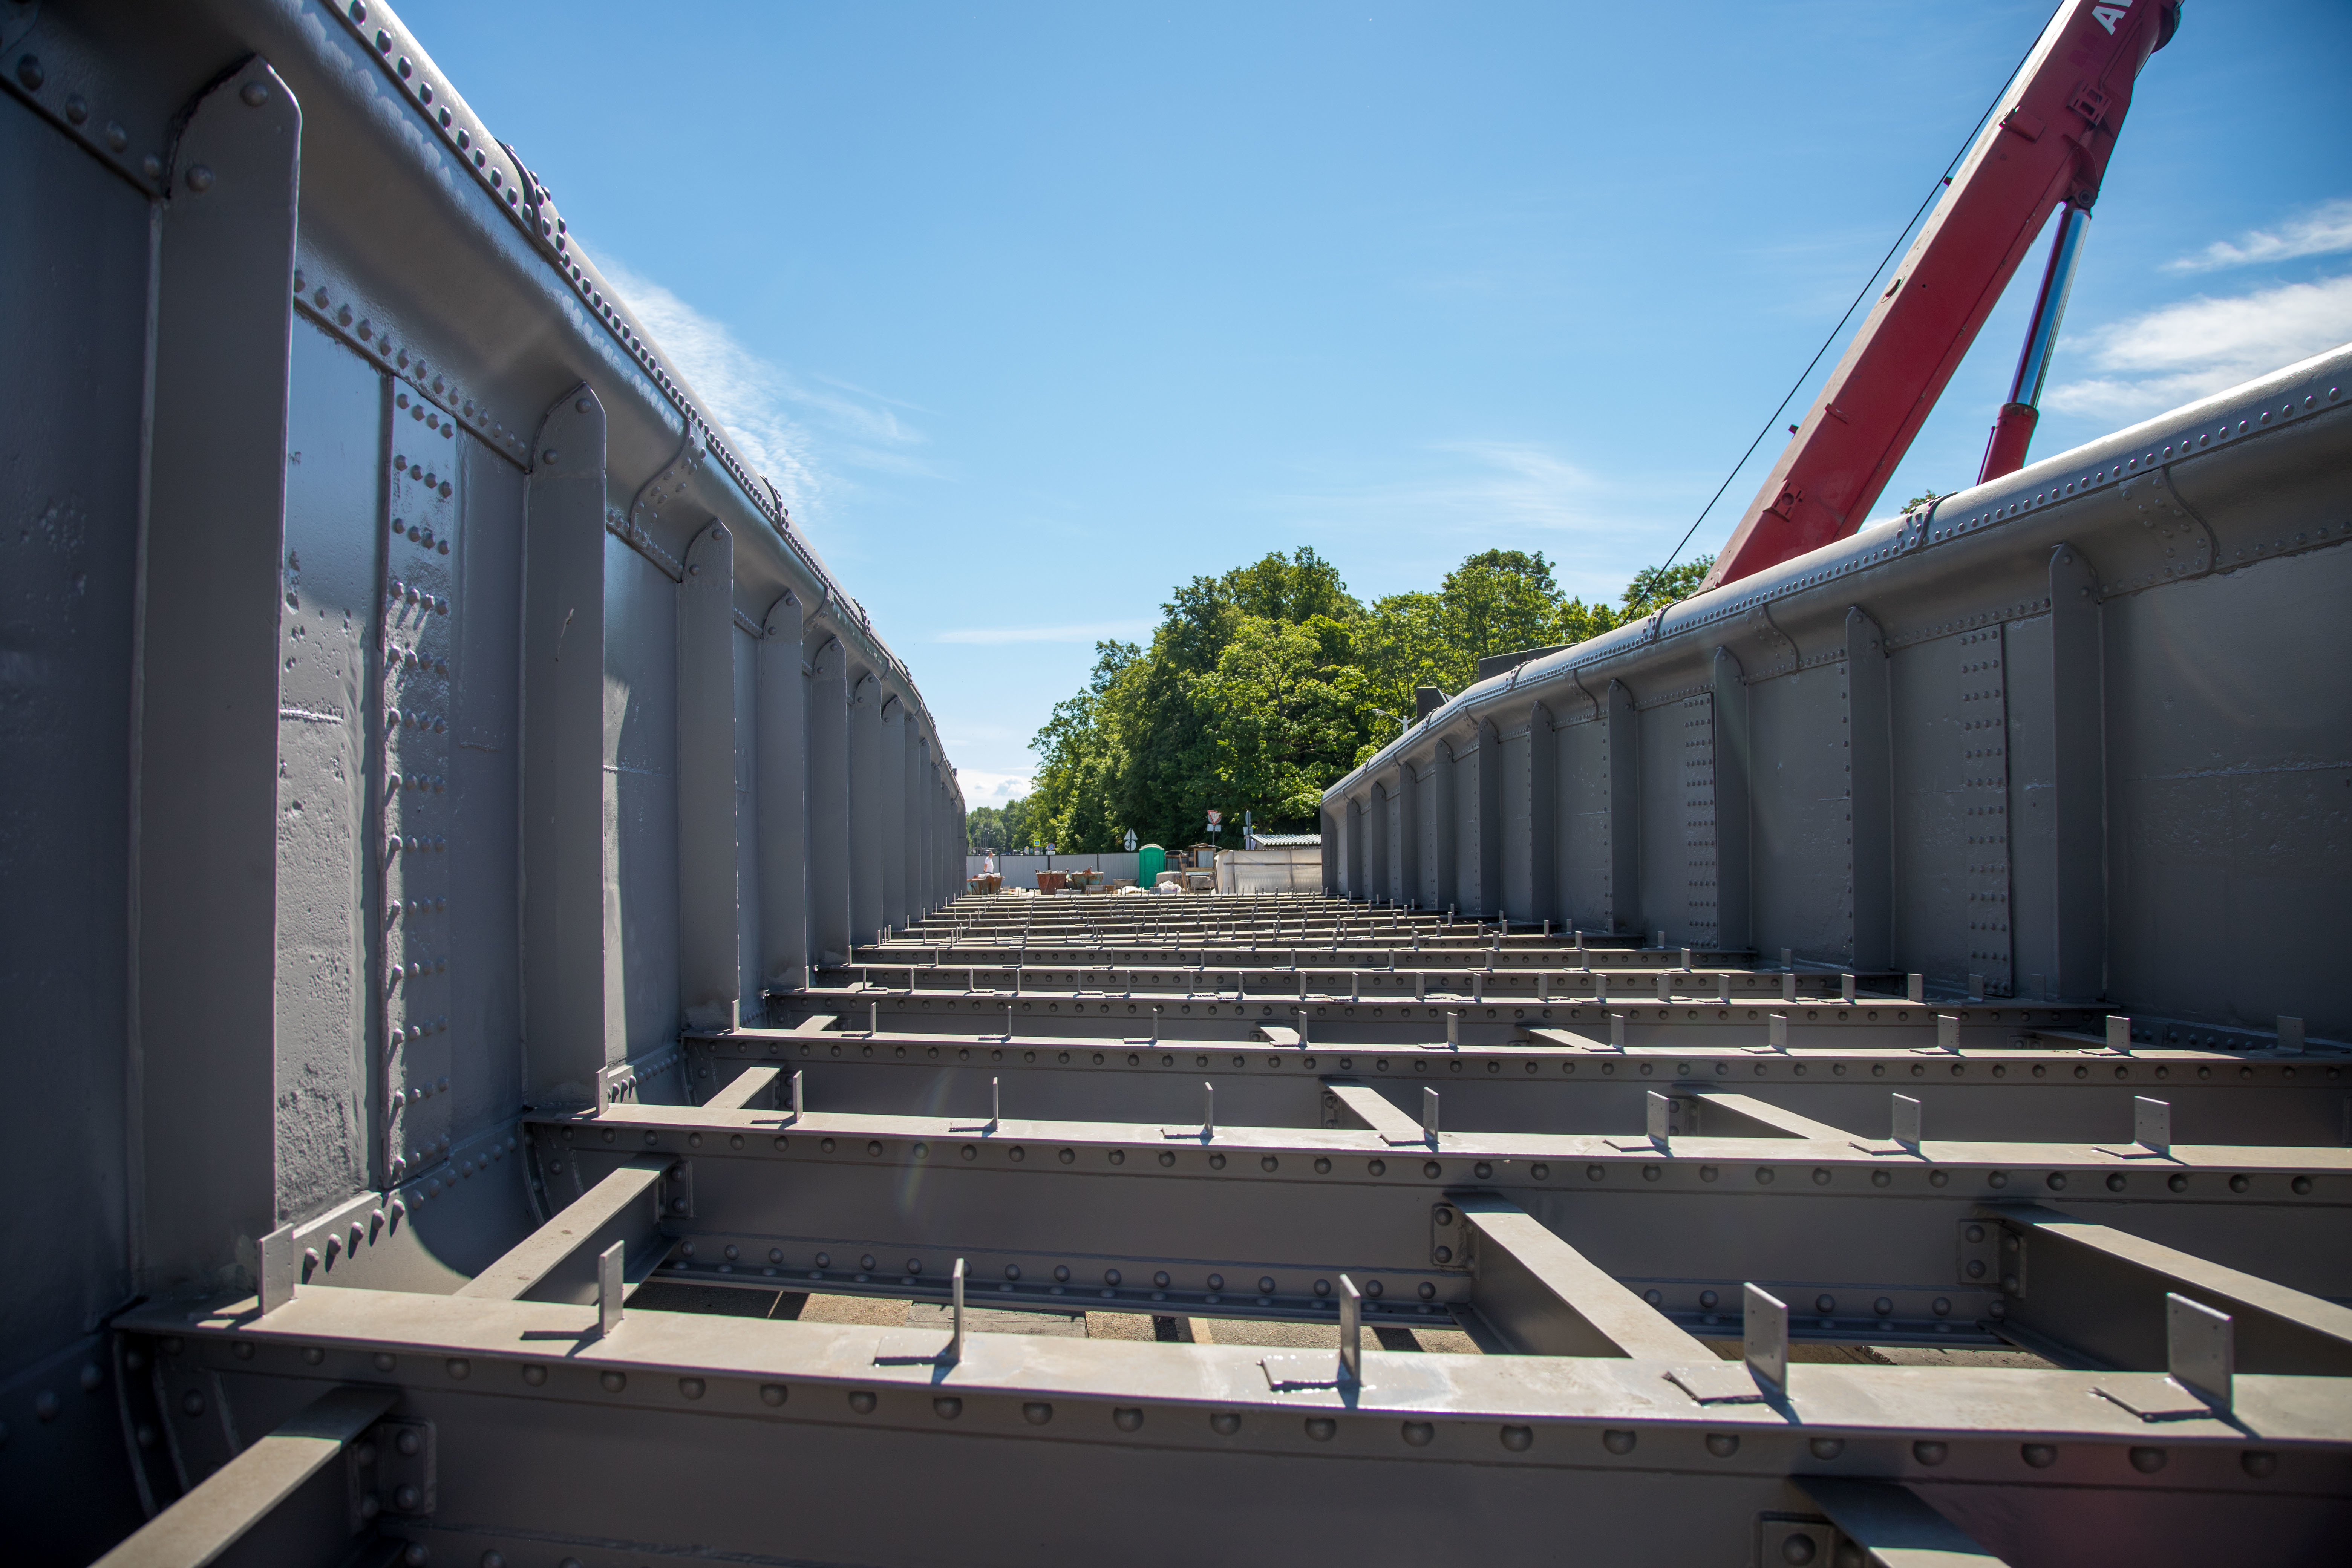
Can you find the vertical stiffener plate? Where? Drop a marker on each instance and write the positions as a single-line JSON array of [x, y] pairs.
[[1983, 713], [419, 647], [1701, 902]]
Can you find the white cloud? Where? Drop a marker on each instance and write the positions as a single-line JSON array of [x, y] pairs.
[[2325, 230], [800, 436], [1087, 632], [1478, 485], [991, 789], [2172, 355]]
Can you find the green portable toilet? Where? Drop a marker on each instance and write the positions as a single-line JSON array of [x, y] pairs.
[[1149, 861]]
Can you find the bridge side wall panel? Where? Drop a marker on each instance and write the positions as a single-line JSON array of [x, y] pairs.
[[1586, 855], [2230, 795], [1934, 835], [70, 402], [1799, 814], [1661, 731], [329, 768]]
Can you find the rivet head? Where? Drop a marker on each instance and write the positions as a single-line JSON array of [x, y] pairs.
[[1618, 1442], [616, 1381], [1930, 1453], [77, 109], [1519, 1439], [30, 71], [691, 1388], [1036, 1413], [2148, 1461], [2040, 1456], [255, 93], [772, 1394], [1127, 1420], [862, 1401], [1722, 1445], [1225, 1423], [200, 179]]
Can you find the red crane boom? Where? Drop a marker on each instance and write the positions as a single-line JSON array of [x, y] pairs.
[[2048, 146]]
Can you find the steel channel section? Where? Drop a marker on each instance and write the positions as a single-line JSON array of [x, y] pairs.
[[1872, 1232], [537, 1419]]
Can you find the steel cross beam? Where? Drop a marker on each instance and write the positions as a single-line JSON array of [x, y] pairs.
[[528, 1401], [1157, 1215], [238, 1497]]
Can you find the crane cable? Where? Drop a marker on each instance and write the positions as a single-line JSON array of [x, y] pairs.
[[1868, 283]]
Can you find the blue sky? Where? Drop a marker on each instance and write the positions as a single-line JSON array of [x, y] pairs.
[[1035, 311]]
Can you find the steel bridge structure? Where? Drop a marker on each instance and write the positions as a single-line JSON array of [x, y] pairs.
[[1851, 1069]]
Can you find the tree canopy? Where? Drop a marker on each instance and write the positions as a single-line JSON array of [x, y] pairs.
[[1262, 687]]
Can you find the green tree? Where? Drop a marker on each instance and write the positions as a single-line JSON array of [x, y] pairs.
[[1499, 601], [1655, 587], [1262, 686]]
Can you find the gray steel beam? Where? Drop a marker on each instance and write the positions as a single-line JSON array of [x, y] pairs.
[[572, 1020], [236, 1499], [1731, 780], [556, 1261], [1448, 1457], [1128, 1214], [783, 774], [829, 845], [1623, 768], [2076, 799], [710, 904], [744, 1088], [2096, 1294], [205, 842], [1545, 1297], [891, 845], [867, 816], [1892, 1526], [1870, 791]]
